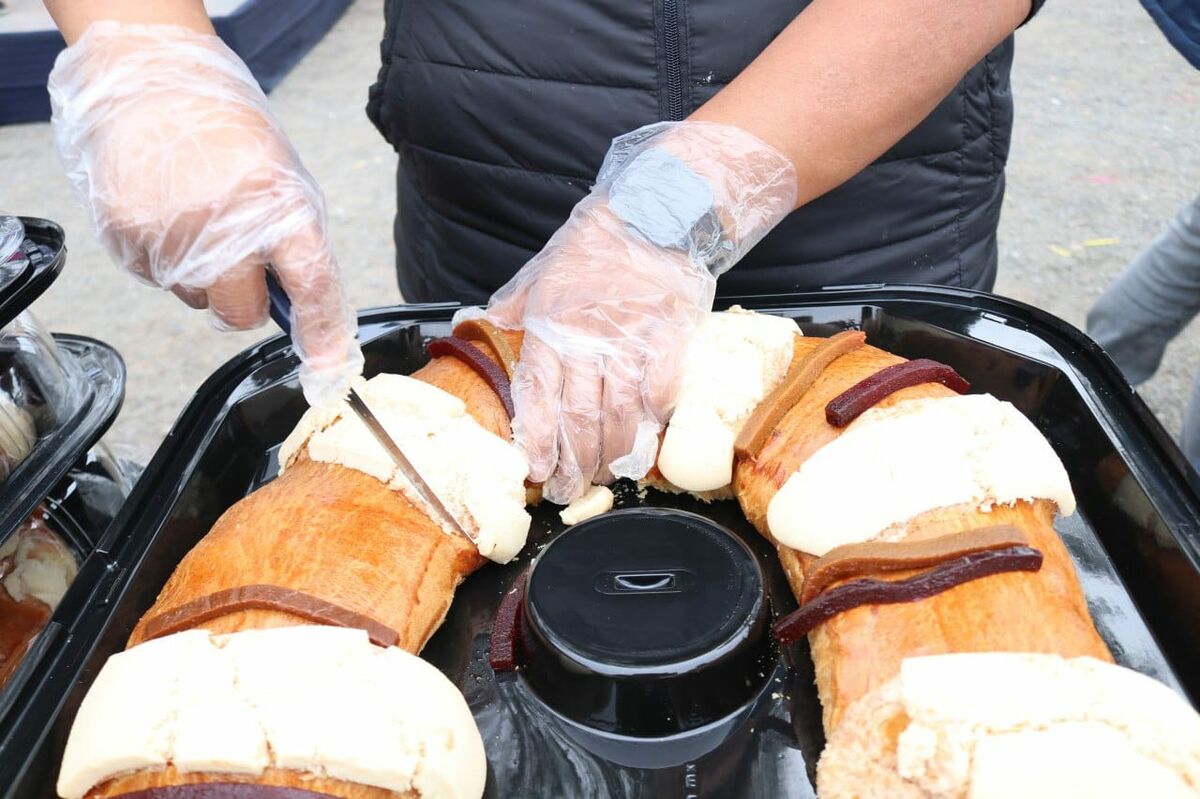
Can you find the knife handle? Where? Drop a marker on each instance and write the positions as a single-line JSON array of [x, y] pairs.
[[281, 306]]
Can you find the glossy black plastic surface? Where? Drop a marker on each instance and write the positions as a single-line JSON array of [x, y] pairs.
[[45, 253], [645, 622], [1135, 541], [79, 508], [57, 451], [72, 390]]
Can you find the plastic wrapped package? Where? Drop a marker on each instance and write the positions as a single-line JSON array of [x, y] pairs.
[[18, 434], [59, 484], [36, 568], [43, 555], [40, 390], [12, 252]]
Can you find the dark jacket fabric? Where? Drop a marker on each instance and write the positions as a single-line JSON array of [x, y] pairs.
[[502, 111], [1179, 21]]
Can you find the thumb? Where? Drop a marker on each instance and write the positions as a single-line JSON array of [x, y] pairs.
[[537, 396], [323, 324], [507, 306]]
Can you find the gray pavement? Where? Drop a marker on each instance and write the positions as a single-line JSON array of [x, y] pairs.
[[1106, 148], [169, 349], [1104, 152]]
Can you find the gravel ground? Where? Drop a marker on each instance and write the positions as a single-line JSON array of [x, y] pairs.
[[1104, 153], [169, 349]]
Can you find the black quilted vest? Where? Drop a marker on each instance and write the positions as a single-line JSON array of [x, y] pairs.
[[502, 110]]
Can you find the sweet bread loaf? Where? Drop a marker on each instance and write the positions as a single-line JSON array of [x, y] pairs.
[[859, 650], [338, 540]]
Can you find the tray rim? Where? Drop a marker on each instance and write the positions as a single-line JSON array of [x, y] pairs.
[[70, 440]]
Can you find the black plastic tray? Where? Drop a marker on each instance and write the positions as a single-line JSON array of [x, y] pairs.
[[79, 508], [94, 401], [46, 253], [1135, 541], [57, 451]]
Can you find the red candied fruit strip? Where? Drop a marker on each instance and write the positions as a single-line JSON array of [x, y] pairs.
[[869, 392], [506, 628], [484, 366], [870, 591]]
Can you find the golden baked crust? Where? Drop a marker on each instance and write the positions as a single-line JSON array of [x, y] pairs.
[[339, 535], [334, 533], [455, 377], [142, 780], [860, 759], [1042, 611]]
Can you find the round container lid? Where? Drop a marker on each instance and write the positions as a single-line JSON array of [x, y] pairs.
[[645, 622]]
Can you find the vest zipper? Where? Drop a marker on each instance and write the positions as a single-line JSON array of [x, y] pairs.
[[671, 57]]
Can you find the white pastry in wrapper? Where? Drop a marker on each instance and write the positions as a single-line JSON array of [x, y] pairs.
[[18, 434]]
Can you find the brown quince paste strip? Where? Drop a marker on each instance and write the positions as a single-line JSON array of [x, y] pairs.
[[870, 391], [484, 366], [487, 333], [266, 597], [869, 591], [225, 790], [872, 557], [506, 628], [800, 377]]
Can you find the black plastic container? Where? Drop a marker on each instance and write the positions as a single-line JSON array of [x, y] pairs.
[[645, 623], [1135, 540], [78, 509], [69, 389]]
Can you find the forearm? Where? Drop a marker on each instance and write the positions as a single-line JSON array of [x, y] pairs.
[[848, 78], [73, 16]]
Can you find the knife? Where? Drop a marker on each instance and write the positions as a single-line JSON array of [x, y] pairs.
[[281, 313]]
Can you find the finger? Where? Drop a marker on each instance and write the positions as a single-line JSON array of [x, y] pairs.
[[507, 311], [536, 392], [619, 415], [323, 324], [238, 298], [193, 298], [578, 431], [660, 378], [506, 308], [123, 242]]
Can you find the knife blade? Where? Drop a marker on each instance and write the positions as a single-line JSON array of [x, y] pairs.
[[281, 313]]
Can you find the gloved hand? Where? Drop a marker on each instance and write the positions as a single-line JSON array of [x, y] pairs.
[[192, 185], [609, 304]]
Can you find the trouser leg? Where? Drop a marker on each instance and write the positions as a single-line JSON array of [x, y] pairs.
[[1152, 300], [1189, 441]]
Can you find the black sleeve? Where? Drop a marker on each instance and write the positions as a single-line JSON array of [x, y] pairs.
[[1033, 9]]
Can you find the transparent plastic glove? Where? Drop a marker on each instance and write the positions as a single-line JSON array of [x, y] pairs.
[[191, 185], [609, 304]]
